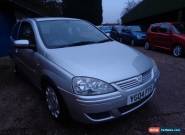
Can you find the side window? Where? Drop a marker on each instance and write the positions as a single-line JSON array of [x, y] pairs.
[[164, 28], [154, 29], [14, 33], [123, 29], [114, 29], [26, 32], [127, 30]]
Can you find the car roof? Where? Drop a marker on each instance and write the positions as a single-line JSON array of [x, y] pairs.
[[157, 24], [118, 26], [132, 25], [50, 18]]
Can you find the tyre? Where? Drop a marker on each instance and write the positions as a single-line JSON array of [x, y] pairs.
[[120, 40], [147, 46], [55, 104], [15, 68], [177, 51], [132, 43]]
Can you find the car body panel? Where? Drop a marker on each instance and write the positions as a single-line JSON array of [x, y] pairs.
[[82, 61], [110, 62], [126, 35], [165, 40]]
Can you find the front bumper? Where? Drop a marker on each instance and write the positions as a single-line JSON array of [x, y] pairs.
[[140, 41], [93, 109]]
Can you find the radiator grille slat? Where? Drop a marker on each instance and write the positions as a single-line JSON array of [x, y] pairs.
[[135, 81]]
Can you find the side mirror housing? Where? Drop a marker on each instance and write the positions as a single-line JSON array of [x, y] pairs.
[[22, 44]]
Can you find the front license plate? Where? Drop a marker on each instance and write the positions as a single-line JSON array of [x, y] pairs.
[[140, 95]]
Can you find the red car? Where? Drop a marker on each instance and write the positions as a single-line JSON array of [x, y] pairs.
[[167, 36]]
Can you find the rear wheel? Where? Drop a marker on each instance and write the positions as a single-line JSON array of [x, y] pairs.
[[177, 51], [15, 68], [147, 46]]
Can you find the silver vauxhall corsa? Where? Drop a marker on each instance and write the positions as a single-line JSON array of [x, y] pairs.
[[80, 70]]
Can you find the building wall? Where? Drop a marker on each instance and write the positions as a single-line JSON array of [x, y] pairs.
[[172, 16], [7, 20], [151, 11]]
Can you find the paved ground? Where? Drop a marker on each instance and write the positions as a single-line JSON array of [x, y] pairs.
[[22, 110]]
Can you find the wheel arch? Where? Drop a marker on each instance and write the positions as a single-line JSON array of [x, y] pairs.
[[175, 44], [45, 80]]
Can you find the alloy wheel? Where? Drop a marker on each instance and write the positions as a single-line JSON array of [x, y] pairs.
[[177, 51], [52, 102], [147, 46], [132, 42], [121, 40]]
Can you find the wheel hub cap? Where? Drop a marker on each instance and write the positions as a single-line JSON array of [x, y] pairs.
[[177, 51], [146, 45], [53, 104], [132, 42]]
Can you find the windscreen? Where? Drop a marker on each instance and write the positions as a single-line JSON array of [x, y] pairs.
[[67, 33], [135, 28]]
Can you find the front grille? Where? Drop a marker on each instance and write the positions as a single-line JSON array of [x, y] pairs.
[[147, 76], [135, 81]]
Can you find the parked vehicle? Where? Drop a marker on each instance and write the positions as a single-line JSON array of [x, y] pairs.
[[132, 35], [106, 29], [116, 32], [167, 36], [81, 71]]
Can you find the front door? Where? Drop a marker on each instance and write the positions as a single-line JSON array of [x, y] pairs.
[[28, 57], [164, 36]]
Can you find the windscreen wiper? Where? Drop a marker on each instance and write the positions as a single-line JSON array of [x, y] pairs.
[[79, 43], [84, 43], [105, 40]]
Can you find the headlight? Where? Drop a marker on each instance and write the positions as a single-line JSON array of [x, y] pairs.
[[138, 36], [155, 68], [89, 86]]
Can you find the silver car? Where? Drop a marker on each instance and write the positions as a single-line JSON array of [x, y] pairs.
[[81, 71]]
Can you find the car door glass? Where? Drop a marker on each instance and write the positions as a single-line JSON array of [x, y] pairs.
[[154, 29], [127, 30], [26, 33], [164, 28], [114, 30]]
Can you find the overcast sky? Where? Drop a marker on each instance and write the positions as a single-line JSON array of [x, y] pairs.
[[112, 10]]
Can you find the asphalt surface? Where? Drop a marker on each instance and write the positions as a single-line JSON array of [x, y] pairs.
[[23, 110]]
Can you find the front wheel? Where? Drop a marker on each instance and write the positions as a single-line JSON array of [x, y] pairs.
[[120, 40], [177, 51], [147, 46], [56, 108], [132, 42]]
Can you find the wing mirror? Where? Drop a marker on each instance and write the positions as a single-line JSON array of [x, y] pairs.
[[23, 44]]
